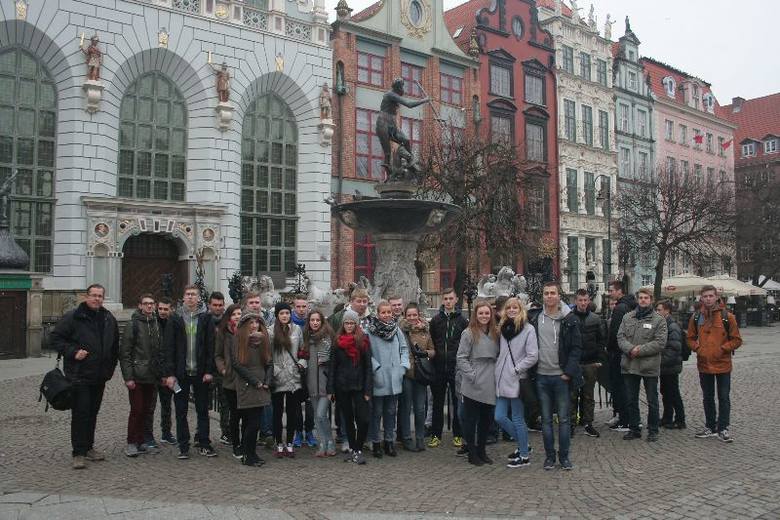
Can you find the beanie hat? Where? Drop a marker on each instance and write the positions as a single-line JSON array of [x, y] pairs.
[[350, 315], [249, 316], [281, 306]]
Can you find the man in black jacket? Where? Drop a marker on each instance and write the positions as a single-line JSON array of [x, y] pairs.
[[189, 350], [446, 328], [594, 354], [671, 368], [625, 304], [163, 392], [87, 338]]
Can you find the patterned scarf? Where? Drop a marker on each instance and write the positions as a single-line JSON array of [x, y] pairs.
[[379, 328]]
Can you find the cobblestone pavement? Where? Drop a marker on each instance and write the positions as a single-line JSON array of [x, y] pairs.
[[677, 477]]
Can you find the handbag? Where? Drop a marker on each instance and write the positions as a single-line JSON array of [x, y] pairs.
[[302, 394], [423, 368], [56, 388]]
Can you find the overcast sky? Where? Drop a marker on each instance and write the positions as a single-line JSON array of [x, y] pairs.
[[732, 45]]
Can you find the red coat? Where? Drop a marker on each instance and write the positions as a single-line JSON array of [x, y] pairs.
[[713, 346]]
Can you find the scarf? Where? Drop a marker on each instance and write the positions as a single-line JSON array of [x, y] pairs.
[[379, 328], [509, 331], [231, 327], [351, 349], [643, 312]]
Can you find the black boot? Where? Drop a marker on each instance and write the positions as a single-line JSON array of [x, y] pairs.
[[474, 458], [376, 450], [483, 455], [390, 449]]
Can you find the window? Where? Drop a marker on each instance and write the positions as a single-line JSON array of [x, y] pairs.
[[625, 162], [534, 89], [28, 129], [534, 142], [648, 279], [671, 165], [269, 188], [517, 27], [590, 193], [624, 119], [670, 86], [695, 96], [770, 145], [711, 176], [606, 251], [604, 129], [500, 80], [587, 124], [412, 74], [538, 198], [685, 167], [683, 137], [502, 129], [641, 123], [415, 16], [570, 120], [721, 150], [632, 80], [697, 138], [709, 102], [364, 256], [572, 196], [710, 148], [573, 263], [697, 174], [413, 130], [748, 149], [368, 150], [152, 140], [585, 65], [568, 59], [371, 69], [668, 130], [451, 89], [643, 164], [590, 252], [601, 72]]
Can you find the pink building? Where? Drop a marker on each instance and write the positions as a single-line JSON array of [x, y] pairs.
[[690, 139]]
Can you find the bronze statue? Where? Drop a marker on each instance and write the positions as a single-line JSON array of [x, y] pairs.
[[388, 132], [325, 103], [94, 59], [223, 82]]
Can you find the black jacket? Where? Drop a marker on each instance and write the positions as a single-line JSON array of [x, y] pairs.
[[94, 331], [671, 355], [445, 332], [343, 376], [141, 353], [594, 338], [569, 345], [176, 346], [624, 305]]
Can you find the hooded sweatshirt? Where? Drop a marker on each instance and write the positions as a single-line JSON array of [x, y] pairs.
[[549, 333]]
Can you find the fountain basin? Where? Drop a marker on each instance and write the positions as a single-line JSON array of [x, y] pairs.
[[410, 217]]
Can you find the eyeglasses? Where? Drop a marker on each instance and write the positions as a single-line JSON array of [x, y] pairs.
[[147, 303]]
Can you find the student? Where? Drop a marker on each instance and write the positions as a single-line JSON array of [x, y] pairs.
[[421, 345], [351, 382], [300, 312], [224, 351], [671, 366], [317, 343], [476, 360], [285, 339]]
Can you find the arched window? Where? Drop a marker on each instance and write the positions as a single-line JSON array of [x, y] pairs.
[[269, 164], [28, 128], [152, 140]]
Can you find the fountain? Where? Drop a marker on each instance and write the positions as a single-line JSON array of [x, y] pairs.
[[396, 221]]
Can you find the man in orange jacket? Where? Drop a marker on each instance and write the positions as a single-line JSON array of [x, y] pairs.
[[714, 335]]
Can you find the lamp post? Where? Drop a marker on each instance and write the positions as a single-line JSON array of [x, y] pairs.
[[606, 198], [469, 291]]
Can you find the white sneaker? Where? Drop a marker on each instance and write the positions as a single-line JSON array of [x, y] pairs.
[[612, 422], [706, 433], [132, 450], [724, 436]]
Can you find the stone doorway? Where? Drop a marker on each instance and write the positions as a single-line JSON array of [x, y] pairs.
[[147, 258]]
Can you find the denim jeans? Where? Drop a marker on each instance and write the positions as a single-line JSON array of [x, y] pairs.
[[514, 427], [383, 409], [674, 411], [182, 402], [651, 392], [554, 391], [413, 398], [324, 431], [267, 421], [708, 382], [617, 387]]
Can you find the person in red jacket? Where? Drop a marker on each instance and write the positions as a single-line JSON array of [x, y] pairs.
[[714, 335]]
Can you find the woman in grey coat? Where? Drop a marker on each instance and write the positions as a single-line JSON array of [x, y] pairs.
[[476, 362], [317, 343]]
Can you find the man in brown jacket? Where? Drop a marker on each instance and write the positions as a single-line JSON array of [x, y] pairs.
[[714, 335]]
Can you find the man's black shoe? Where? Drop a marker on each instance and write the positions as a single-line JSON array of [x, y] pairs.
[[475, 459], [631, 435], [376, 450], [652, 437]]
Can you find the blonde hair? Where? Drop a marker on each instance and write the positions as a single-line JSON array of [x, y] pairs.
[[382, 303], [521, 317], [475, 327]]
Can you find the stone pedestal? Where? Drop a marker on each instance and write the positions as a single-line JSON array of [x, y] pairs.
[[94, 93], [224, 115], [327, 127], [395, 273]]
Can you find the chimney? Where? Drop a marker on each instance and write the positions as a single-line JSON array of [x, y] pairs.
[[736, 104]]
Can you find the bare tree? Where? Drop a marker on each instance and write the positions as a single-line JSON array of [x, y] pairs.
[[668, 212], [758, 218]]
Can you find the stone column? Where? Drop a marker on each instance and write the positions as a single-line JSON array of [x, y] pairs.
[[395, 273]]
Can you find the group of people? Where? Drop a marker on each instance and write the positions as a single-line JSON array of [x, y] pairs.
[[277, 372]]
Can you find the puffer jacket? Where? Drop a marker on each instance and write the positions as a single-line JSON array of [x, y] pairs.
[[417, 335], [247, 377], [224, 350], [524, 352], [712, 344], [649, 334], [671, 356], [286, 376], [594, 338], [477, 367], [319, 365], [141, 354]]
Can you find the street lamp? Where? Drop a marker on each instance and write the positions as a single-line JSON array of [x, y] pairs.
[[606, 199]]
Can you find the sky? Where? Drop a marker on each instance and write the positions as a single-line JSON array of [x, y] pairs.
[[731, 45]]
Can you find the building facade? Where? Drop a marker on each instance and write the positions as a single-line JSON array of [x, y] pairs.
[[691, 139], [519, 106], [391, 39], [144, 161], [587, 165]]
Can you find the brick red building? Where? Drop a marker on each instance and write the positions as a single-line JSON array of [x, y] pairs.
[[518, 102], [390, 39]]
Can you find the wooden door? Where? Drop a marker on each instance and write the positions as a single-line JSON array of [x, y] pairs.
[[146, 259], [13, 323]]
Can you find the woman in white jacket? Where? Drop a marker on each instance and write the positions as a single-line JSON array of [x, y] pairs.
[[518, 353]]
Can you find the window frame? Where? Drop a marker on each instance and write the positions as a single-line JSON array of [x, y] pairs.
[[529, 122], [589, 181], [363, 241], [587, 124], [502, 115], [749, 149], [446, 84], [570, 120], [601, 72], [586, 66], [370, 69], [509, 70], [770, 146], [625, 119], [604, 129], [572, 190], [529, 76], [408, 73], [567, 59], [669, 130], [373, 142]]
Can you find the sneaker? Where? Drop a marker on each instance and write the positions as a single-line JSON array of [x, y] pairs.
[[237, 452], [142, 449], [297, 440], [549, 463], [95, 455], [463, 451], [279, 453], [457, 441], [132, 450], [514, 455], [519, 462], [79, 462], [435, 442], [224, 439], [632, 434], [168, 438], [680, 425], [358, 458], [184, 453], [151, 444], [705, 433], [310, 440], [331, 450], [345, 448], [724, 436], [590, 431], [652, 437], [207, 451], [566, 464], [535, 427], [289, 451], [620, 428], [613, 422], [151, 449]]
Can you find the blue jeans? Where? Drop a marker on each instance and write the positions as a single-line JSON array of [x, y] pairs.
[[267, 421], [514, 427], [413, 398], [322, 416], [554, 391], [708, 382], [383, 409]]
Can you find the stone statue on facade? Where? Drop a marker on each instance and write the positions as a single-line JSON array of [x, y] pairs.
[[628, 25], [404, 164], [608, 27], [94, 58], [592, 18], [222, 81], [325, 103], [575, 12]]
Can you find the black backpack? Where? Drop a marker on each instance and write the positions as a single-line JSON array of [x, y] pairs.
[[56, 388]]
